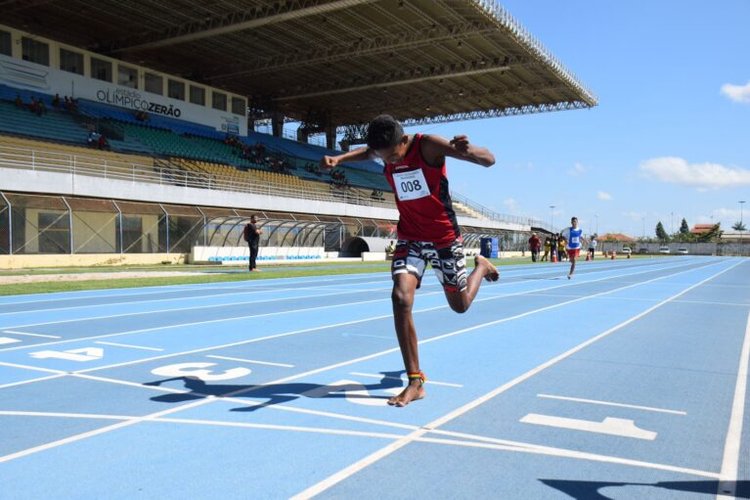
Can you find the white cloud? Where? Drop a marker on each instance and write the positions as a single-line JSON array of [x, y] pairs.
[[577, 170], [699, 175], [511, 205], [634, 215], [603, 195], [737, 93]]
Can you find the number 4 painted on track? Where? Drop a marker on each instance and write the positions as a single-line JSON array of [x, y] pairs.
[[83, 354]]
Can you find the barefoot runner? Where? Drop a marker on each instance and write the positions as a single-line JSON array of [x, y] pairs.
[[427, 229]]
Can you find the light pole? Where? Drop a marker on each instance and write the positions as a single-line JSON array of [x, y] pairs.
[[643, 219], [552, 217], [741, 202], [596, 231]]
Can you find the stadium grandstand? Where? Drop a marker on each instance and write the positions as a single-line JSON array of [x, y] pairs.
[[130, 132]]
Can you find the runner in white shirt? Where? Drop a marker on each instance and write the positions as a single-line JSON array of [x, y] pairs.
[[574, 236], [592, 247]]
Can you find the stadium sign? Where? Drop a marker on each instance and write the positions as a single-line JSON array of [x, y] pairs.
[[128, 98], [21, 74]]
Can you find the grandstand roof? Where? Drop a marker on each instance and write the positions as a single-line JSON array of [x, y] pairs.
[[337, 62]]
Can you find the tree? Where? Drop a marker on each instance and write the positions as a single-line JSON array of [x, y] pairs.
[[713, 235], [739, 226], [661, 234], [684, 233]]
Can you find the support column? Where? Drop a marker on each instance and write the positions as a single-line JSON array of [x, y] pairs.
[[302, 135], [331, 136], [277, 124]]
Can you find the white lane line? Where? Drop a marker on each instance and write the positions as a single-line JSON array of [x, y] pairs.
[[346, 323], [391, 448], [232, 285], [353, 322], [563, 453], [253, 361], [14, 332], [177, 309], [64, 415], [379, 376], [470, 441], [730, 462], [36, 368], [196, 323], [246, 401], [610, 403], [490, 297], [183, 299], [30, 381], [129, 346]]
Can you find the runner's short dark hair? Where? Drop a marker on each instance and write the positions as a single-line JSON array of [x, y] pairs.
[[383, 132]]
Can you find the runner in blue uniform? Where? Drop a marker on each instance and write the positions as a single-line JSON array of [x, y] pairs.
[[574, 236]]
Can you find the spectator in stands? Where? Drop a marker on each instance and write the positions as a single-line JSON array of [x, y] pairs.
[[252, 234], [102, 142], [70, 105], [535, 244], [93, 139], [427, 229], [141, 116], [34, 107], [19, 101], [56, 101]]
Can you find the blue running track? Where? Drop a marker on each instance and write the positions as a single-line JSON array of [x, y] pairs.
[[629, 381]]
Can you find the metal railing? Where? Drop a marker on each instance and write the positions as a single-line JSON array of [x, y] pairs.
[[163, 172]]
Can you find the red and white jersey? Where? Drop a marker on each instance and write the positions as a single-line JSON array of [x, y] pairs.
[[422, 198]]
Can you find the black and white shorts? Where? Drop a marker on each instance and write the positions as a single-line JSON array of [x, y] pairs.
[[449, 263]]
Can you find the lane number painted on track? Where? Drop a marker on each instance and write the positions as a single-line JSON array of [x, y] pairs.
[[612, 426], [83, 354], [200, 371]]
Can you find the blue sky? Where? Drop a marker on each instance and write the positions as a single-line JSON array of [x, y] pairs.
[[670, 138]]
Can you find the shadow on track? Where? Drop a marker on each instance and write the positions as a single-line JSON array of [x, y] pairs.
[[276, 393]]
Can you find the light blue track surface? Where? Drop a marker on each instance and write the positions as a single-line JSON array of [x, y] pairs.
[[629, 381]]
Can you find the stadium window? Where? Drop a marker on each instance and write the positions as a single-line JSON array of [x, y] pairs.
[[34, 51], [175, 89], [219, 100], [197, 95], [5, 45], [101, 70], [238, 106], [127, 76], [70, 61], [154, 83]]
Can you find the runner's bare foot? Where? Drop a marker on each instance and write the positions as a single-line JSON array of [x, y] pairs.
[[412, 392], [490, 271]]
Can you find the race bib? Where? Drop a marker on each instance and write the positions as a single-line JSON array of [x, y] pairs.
[[411, 185]]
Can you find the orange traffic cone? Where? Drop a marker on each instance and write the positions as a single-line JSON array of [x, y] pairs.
[[553, 256], [588, 257], [613, 253]]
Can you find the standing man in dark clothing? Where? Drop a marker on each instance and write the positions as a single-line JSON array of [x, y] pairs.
[[252, 236], [535, 244]]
